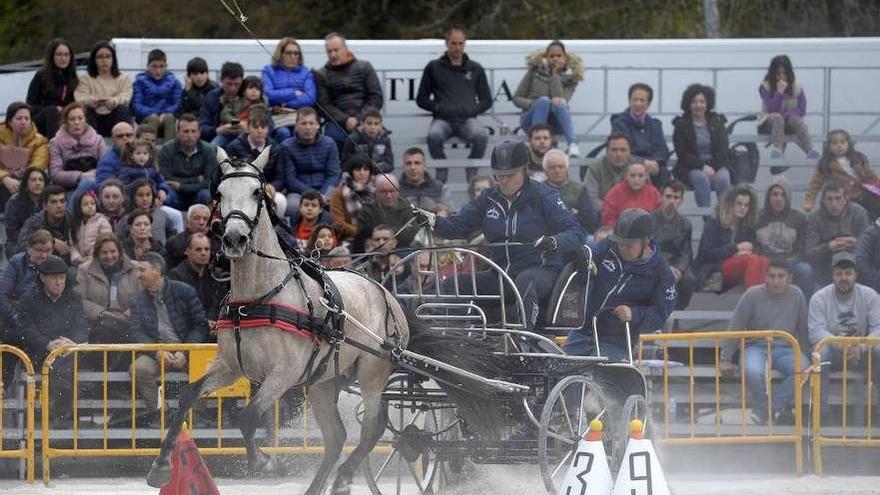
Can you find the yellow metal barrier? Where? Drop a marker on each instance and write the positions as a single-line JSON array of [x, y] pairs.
[[747, 434], [846, 437], [27, 452], [108, 441]]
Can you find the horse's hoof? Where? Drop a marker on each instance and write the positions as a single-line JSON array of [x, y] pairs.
[[160, 473], [268, 466]]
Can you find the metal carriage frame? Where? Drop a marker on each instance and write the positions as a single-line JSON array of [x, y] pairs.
[[547, 403]]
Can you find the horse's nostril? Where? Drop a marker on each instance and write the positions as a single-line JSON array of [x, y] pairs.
[[242, 239]]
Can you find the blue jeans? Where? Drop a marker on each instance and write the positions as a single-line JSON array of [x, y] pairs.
[[720, 183], [581, 343], [281, 133], [541, 112], [83, 186], [755, 363], [221, 140], [337, 133], [802, 276]]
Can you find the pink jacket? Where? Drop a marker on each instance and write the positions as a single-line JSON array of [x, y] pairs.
[[84, 244], [64, 147]]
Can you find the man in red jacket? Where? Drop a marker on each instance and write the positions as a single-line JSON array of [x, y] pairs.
[[633, 192]]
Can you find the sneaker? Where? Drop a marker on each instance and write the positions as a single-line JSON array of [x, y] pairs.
[[776, 154], [574, 150], [813, 154], [784, 417], [760, 416]]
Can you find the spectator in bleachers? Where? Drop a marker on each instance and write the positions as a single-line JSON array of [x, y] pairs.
[[52, 316], [727, 253], [111, 201], [573, 194], [23, 205], [868, 256], [390, 209], [187, 163], [53, 86], [311, 212], [546, 88], [322, 240], [289, 84], [783, 106], [139, 162], [74, 151], [53, 217], [540, 142], [633, 283], [417, 185], [455, 90], [19, 277], [86, 224], [157, 95], [356, 189], [701, 143], [382, 244], [104, 91], [314, 160], [250, 144], [196, 86], [250, 100], [477, 185], [140, 240], [109, 165], [841, 161], [142, 196], [673, 233], [165, 311], [17, 131], [197, 218], [645, 132], [833, 228], [106, 284], [195, 270], [611, 169], [372, 140], [844, 308], [211, 124], [346, 87], [148, 134], [782, 231], [635, 191], [774, 305]]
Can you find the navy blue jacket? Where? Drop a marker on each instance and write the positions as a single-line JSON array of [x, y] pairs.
[[276, 168], [537, 211], [108, 166], [314, 166], [19, 277], [647, 287], [209, 114], [127, 175], [184, 308], [718, 243], [44, 320], [648, 139], [379, 149]]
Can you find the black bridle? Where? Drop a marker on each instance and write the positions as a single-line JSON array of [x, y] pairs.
[[259, 193]]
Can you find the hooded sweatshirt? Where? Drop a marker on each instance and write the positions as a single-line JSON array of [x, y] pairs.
[[781, 235], [454, 92], [822, 228]]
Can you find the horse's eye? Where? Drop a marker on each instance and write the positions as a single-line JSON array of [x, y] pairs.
[[258, 193]]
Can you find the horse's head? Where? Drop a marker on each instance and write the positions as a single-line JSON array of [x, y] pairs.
[[242, 200]]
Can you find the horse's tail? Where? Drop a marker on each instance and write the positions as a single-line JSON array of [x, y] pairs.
[[470, 351]]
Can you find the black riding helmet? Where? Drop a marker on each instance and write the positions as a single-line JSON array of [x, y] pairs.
[[633, 224], [509, 157]]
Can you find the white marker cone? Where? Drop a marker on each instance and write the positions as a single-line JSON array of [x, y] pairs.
[[588, 472], [640, 472]]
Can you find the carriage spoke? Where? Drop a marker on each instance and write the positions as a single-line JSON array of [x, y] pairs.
[[563, 462], [384, 465], [418, 478], [399, 462], [566, 415], [581, 407]]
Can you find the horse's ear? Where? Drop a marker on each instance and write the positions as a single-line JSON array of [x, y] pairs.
[[261, 160], [223, 160]]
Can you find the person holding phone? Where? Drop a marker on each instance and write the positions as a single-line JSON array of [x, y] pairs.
[[105, 91]]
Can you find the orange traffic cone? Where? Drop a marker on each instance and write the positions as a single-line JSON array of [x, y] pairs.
[[640, 471], [588, 473], [189, 475]]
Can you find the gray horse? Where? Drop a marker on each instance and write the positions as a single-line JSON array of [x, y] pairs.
[[277, 359]]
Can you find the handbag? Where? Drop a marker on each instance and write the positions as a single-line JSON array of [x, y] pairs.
[[15, 159], [81, 163]]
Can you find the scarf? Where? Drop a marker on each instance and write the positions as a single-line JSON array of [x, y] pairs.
[[355, 194]]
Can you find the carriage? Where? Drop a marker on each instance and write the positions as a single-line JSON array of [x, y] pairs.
[[546, 399]]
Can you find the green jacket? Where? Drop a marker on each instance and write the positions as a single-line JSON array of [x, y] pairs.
[[194, 172], [600, 178], [396, 216]]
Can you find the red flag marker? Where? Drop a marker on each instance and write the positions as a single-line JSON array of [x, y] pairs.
[[189, 474]]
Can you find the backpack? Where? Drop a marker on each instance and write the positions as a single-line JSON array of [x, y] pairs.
[[743, 160]]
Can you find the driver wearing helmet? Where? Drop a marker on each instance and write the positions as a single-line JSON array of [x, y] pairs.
[[632, 283], [529, 215]]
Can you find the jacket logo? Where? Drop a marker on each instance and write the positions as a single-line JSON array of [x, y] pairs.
[[561, 204], [670, 293], [609, 265], [467, 75], [380, 149], [493, 213]]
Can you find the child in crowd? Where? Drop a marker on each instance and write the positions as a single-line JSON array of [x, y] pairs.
[[840, 159], [372, 140], [235, 110], [87, 224], [157, 95], [635, 191], [142, 196], [249, 145], [196, 87], [311, 213], [321, 241], [139, 162]]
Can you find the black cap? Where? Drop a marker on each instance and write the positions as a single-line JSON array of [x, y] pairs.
[[52, 266], [508, 157], [843, 259], [633, 224]]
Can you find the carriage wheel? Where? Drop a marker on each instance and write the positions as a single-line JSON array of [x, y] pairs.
[[635, 407], [571, 405], [412, 428]]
